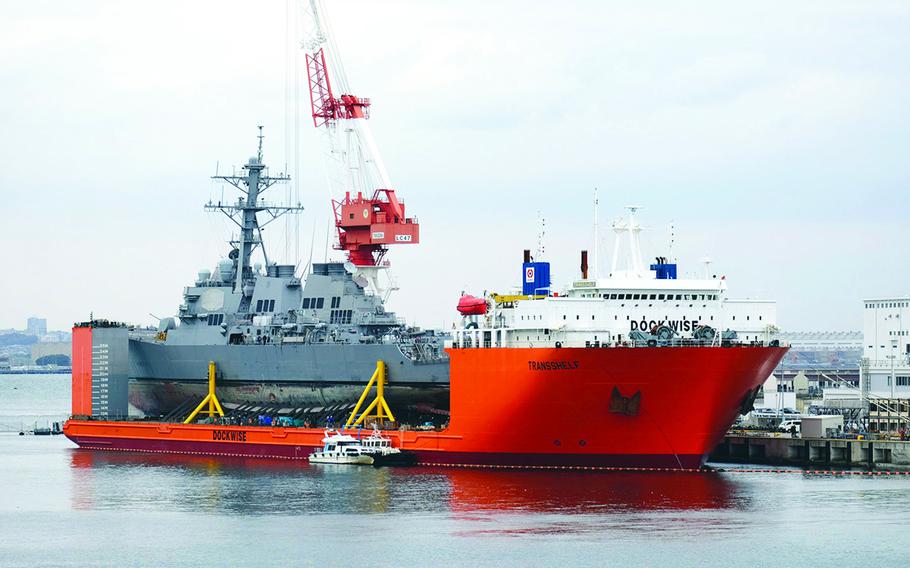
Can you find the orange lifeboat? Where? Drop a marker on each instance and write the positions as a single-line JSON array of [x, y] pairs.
[[472, 306]]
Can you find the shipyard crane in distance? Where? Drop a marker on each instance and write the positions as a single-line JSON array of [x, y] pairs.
[[368, 215]]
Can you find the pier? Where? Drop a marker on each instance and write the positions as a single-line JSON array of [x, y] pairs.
[[834, 452]]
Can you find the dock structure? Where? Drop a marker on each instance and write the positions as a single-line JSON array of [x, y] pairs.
[[833, 452]]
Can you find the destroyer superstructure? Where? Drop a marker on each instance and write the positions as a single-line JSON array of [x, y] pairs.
[[278, 337]]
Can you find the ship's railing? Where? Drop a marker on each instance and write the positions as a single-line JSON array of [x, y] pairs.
[[899, 361], [473, 338], [468, 343]]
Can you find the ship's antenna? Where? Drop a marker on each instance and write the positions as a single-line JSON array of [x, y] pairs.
[[541, 234], [596, 238], [672, 242], [309, 263], [634, 245], [261, 136], [287, 127]]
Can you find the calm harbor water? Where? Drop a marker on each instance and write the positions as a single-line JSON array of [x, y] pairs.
[[60, 506]]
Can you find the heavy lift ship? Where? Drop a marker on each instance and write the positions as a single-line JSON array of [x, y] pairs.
[[577, 395], [531, 379]]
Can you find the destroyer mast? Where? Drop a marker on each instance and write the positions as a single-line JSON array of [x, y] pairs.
[[244, 214]]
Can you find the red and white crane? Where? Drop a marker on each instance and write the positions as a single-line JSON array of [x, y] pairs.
[[369, 217]]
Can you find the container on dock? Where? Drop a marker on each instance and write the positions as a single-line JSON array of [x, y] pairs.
[[821, 426]]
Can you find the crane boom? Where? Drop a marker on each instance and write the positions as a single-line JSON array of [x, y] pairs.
[[370, 216]]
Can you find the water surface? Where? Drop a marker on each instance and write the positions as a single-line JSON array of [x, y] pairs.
[[60, 506]]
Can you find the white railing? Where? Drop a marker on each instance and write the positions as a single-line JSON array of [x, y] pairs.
[[901, 361]]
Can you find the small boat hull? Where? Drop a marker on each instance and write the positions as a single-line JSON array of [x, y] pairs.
[[342, 460], [395, 459]]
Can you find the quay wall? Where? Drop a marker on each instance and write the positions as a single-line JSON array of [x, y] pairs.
[[833, 452]]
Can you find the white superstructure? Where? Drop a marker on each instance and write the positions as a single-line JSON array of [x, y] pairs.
[[636, 304]]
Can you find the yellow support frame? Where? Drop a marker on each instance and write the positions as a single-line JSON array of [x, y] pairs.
[[512, 298], [379, 404], [210, 399]]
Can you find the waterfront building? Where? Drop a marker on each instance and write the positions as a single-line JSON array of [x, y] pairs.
[[819, 365], [885, 366], [819, 361]]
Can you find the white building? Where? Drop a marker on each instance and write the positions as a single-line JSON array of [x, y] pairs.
[[886, 346], [885, 369], [822, 341]]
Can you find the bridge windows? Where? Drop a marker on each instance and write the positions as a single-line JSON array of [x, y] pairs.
[[341, 316], [313, 303], [215, 319]]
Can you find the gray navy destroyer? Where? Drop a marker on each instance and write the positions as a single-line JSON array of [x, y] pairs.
[[282, 339]]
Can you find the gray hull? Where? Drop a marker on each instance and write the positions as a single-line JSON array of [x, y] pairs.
[[161, 397], [163, 376]]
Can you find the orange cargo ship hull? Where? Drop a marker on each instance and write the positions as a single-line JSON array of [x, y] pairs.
[[580, 407]]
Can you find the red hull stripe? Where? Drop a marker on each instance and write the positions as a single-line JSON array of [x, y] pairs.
[[428, 458]]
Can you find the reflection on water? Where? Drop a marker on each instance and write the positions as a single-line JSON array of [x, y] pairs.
[[103, 480], [587, 491], [146, 506], [61, 506]]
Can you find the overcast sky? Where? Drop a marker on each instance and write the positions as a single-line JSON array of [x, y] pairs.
[[774, 136]]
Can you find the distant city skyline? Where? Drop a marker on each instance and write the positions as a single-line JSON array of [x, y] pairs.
[[772, 136]]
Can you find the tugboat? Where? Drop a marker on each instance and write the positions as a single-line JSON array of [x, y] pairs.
[[380, 448]]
